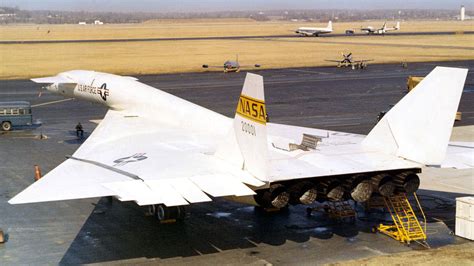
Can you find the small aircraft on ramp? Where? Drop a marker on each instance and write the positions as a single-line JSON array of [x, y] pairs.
[[348, 61], [380, 31], [164, 152], [311, 31], [231, 65]]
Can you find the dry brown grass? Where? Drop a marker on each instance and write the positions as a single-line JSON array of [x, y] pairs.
[[448, 255], [132, 58], [198, 28]]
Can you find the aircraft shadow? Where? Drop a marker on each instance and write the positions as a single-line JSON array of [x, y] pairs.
[[76, 139], [120, 230]]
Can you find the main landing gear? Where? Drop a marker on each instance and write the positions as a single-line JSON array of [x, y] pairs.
[[167, 214]]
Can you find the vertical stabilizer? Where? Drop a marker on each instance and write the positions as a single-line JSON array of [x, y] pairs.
[[250, 126], [329, 25], [419, 126]]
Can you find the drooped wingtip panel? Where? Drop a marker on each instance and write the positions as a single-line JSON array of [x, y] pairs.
[[419, 126]]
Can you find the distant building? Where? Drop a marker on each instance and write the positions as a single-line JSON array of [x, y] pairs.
[[98, 22], [462, 15], [82, 23]]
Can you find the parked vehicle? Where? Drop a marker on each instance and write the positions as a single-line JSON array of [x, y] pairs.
[[14, 114]]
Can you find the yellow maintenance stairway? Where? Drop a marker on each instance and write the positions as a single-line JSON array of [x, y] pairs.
[[406, 227]]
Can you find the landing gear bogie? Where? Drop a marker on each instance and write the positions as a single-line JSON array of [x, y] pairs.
[[166, 214]]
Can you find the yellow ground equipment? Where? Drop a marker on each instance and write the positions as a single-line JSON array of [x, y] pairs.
[[412, 81], [406, 227]]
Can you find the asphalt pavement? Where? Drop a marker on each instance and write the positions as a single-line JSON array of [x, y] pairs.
[[221, 232], [242, 37]]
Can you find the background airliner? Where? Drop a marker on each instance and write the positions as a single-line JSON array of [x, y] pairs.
[[311, 31], [384, 29]]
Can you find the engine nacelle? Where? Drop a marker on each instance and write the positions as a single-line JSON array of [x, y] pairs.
[[303, 193], [408, 182], [360, 188], [330, 190], [274, 197], [384, 184]]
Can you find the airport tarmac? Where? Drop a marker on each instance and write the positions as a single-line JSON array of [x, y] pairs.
[[221, 232], [229, 37]]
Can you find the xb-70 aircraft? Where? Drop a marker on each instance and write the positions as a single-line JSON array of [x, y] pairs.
[[164, 152]]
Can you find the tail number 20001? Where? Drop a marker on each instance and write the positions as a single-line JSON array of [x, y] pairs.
[[248, 128]]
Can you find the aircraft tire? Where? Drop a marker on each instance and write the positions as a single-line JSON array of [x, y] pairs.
[[164, 213], [374, 229], [6, 126]]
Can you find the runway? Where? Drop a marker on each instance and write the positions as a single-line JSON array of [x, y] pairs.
[[226, 37], [366, 44], [221, 232], [325, 97]]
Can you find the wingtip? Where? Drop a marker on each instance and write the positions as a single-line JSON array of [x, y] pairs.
[[19, 199], [14, 201]]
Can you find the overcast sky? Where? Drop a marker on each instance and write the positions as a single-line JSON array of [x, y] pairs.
[[219, 5]]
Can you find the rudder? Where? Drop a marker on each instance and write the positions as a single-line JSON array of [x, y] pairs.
[[250, 126]]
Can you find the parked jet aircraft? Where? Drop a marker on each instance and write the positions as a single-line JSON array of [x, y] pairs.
[[348, 61], [231, 66], [164, 152], [384, 29], [310, 31]]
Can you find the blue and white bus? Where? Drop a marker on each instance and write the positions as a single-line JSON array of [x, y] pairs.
[[14, 114]]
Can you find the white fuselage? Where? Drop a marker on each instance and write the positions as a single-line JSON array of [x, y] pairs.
[[307, 31], [126, 93], [311, 31]]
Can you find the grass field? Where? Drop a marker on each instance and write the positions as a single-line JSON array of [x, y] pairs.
[[447, 255], [132, 58], [198, 28]]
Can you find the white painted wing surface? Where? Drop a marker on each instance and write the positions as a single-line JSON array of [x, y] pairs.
[[136, 159], [343, 153], [337, 153]]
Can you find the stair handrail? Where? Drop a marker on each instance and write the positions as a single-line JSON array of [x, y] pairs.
[[422, 212]]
